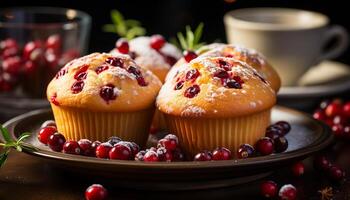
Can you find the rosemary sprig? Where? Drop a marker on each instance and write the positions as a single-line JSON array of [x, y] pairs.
[[127, 28], [192, 39], [10, 143]]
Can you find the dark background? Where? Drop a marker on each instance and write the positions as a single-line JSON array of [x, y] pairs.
[[167, 17]]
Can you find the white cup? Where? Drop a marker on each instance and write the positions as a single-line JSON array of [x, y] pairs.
[[292, 40]]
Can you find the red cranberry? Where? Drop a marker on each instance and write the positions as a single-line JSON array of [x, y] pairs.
[[102, 150], [48, 123], [264, 146], [60, 73], [274, 131], [86, 147], [321, 163], [333, 109], [108, 93], [170, 60], [157, 42], [122, 45], [96, 192], [114, 140], [81, 73], [224, 65], [120, 151], [245, 151], [319, 115], [100, 69], [164, 154], [203, 156], [117, 62], [30, 67], [29, 48], [231, 83], [71, 147], [8, 43], [139, 156], [189, 55], [288, 192], [10, 52], [170, 142], [77, 87], [178, 155], [280, 144], [298, 169], [45, 133], [192, 91], [53, 42], [179, 85], [192, 74], [94, 145], [338, 130], [12, 65], [336, 173], [56, 142], [138, 75], [285, 126], [346, 109], [222, 74], [268, 189], [53, 100], [150, 156], [339, 119], [221, 154]]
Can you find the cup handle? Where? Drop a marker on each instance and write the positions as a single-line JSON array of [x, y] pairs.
[[338, 33]]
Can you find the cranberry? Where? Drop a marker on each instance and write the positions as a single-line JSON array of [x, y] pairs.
[[77, 87], [56, 142], [319, 115], [60, 73], [285, 126], [53, 100], [264, 146], [94, 145], [114, 140], [192, 91], [150, 156], [10, 52], [268, 189], [298, 169], [321, 163], [96, 192], [189, 55], [333, 109], [71, 147], [338, 130], [164, 154], [178, 155], [138, 75], [122, 45], [139, 156], [222, 74], [324, 104], [157, 42], [224, 65], [280, 144], [346, 109], [48, 123], [30, 67], [108, 93], [86, 147], [29, 48], [141, 81], [288, 192], [203, 156], [8, 43], [179, 85], [100, 69], [274, 131], [102, 150], [12, 65], [53, 42], [336, 173], [120, 151], [231, 83], [81, 73], [221, 153], [135, 148], [170, 60], [170, 142], [117, 62], [45, 133], [133, 55], [339, 119], [192, 74], [245, 151]]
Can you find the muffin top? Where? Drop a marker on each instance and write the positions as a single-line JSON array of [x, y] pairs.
[[104, 82], [158, 61], [215, 87], [250, 56]]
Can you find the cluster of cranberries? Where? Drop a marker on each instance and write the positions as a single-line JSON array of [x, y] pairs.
[[157, 42], [269, 189], [273, 142], [324, 165], [336, 114], [17, 62]]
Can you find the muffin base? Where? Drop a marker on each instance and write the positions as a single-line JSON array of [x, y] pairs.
[[158, 121], [77, 124], [198, 134]]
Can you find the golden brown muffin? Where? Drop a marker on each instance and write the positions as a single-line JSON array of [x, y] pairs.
[[251, 57], [99, 95], [158, 61], [216, 101]]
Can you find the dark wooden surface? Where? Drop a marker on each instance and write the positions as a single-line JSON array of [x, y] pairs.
[[27, 177]]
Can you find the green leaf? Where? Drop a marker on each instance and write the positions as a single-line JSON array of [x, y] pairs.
[[117, 18], [192, 40], [198, 33], [19, 148], [135, 31], [132, 23], [109, 28], [3, 157], [5, 133], [182, 41], [190, 37], [23, 136]]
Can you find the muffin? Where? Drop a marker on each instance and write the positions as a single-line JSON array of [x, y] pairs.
[[250, 56], [216, 102], [157, 59], [103, 95]]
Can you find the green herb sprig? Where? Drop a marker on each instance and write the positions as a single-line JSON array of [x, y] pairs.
[[127, 28], [10, 143], [191, 41]]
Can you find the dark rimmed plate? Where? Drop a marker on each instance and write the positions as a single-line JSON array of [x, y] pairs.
[[307, 137]]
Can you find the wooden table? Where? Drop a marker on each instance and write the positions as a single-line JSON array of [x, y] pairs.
[[25, 177]]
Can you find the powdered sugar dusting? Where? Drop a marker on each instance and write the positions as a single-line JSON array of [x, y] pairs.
[[192, 111]]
